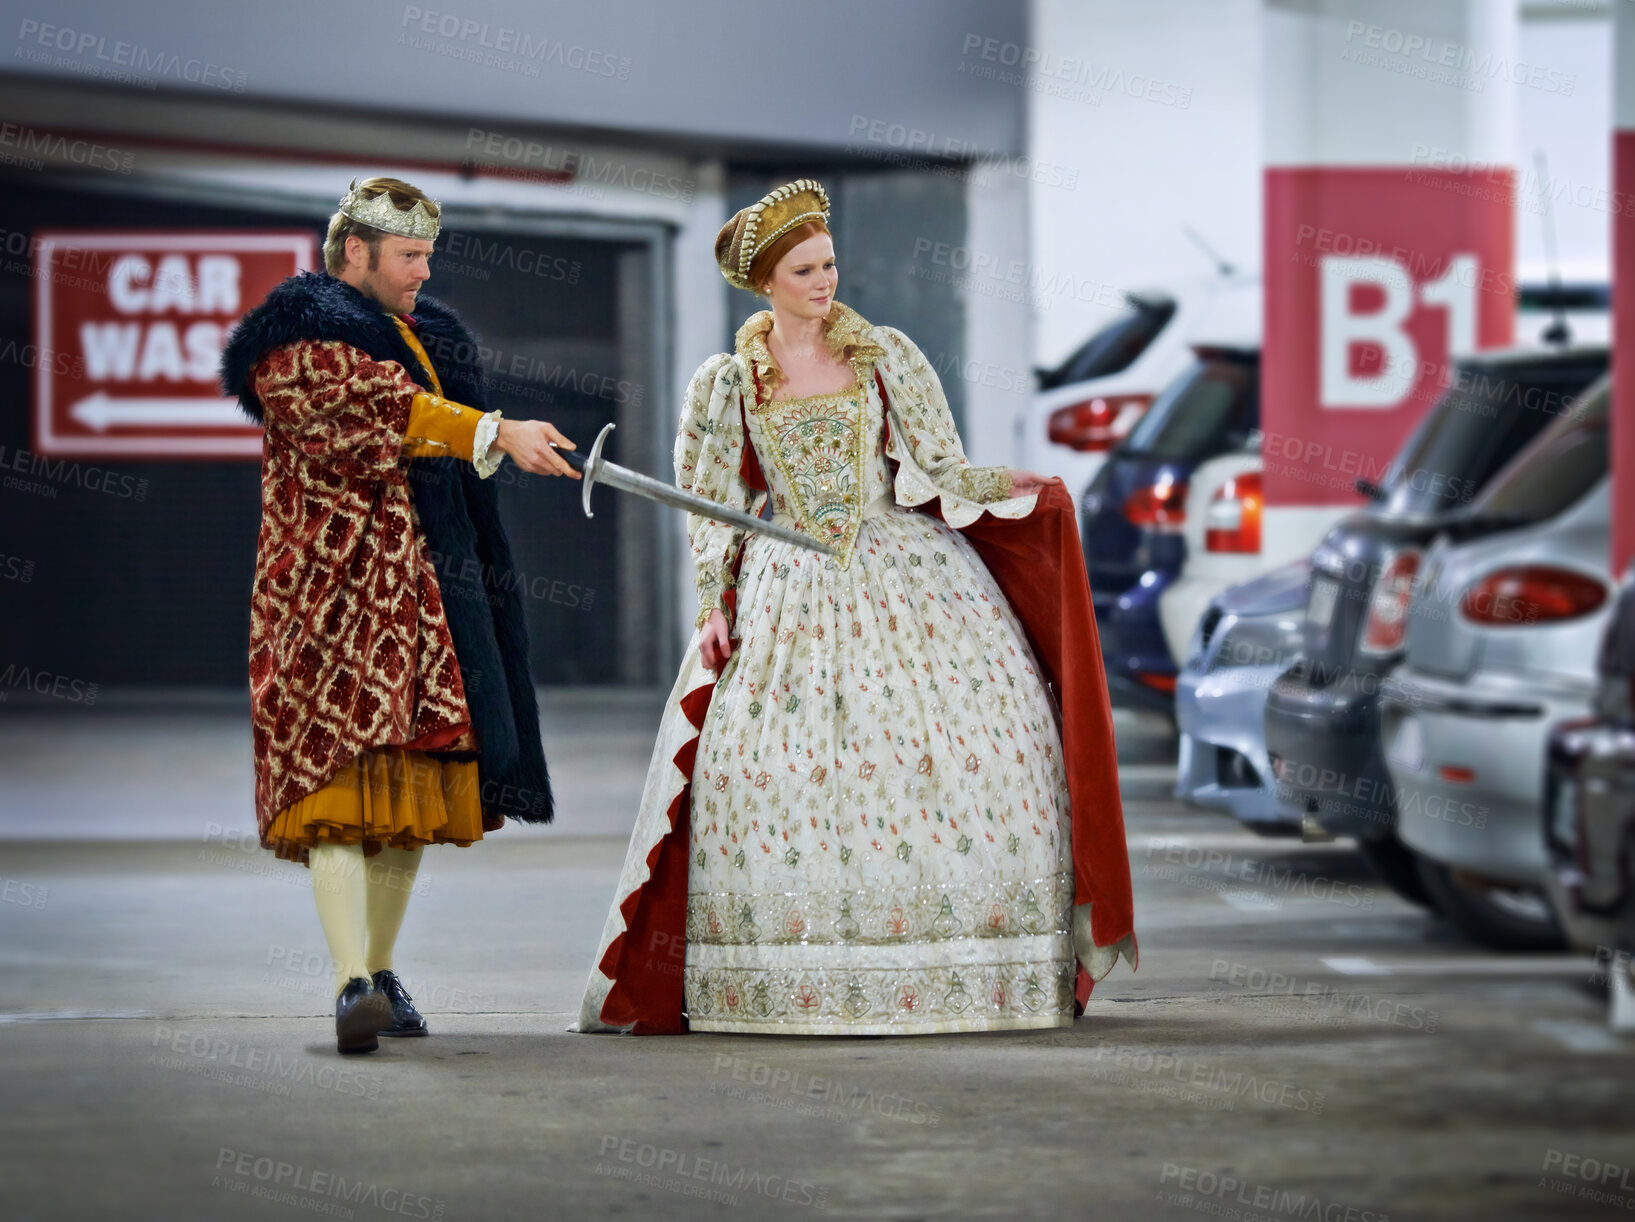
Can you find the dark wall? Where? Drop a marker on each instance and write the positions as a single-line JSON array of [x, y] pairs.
[[139, 573]]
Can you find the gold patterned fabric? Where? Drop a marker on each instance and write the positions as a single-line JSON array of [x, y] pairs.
[[817, 445]]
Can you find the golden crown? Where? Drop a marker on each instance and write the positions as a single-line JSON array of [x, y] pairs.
[[765, 222], [381, 213]]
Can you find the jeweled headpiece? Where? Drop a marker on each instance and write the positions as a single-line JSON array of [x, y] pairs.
[[756, 227], [380, 212]]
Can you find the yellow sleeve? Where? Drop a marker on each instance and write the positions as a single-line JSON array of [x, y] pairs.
[[440, 428]]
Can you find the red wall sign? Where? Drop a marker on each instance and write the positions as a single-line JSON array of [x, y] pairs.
[[129, 328], [1623, 359], [1376, 278]]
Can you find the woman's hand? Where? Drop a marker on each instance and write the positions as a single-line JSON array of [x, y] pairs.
[[532, 444], [1025, 482], [713, 646]]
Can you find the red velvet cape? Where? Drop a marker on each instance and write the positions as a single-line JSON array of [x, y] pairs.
[[1039, 565]]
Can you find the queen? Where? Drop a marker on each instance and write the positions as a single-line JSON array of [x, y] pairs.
[[860, 817]]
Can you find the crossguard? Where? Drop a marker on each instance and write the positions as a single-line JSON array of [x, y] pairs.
[[586, 465]]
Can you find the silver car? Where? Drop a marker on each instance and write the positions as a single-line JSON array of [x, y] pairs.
[[1247, 636], [1506, 616]]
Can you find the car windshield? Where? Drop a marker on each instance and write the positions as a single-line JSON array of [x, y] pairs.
[[1199, 413], [1560, 466], [1477, 426], [1115, 347]]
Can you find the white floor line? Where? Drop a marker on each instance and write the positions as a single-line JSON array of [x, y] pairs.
[[1244, 840], [1578, 1036], [1528, 965], [45, 1016], [1147, 772]]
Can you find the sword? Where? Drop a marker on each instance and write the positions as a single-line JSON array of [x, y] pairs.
[[594, 469]]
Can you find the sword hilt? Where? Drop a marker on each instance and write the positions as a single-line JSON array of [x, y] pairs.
[[586, 465]]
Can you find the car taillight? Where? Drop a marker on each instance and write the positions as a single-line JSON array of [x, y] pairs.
[[1160, 507], [1531, 594], [1232, 520], [1097, 423], [1388, 609]]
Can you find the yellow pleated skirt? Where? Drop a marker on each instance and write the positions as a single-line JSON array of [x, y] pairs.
[[385, 796]]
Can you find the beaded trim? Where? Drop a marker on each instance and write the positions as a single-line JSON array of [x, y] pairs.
[[754, 242]]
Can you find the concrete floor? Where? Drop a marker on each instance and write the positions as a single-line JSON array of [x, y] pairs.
[[1297, 1043]]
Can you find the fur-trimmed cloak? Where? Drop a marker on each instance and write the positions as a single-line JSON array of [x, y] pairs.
[[382, 613]]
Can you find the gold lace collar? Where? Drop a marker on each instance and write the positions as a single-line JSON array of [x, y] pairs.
[[848, 334]]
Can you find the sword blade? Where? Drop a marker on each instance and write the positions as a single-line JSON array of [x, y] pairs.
[[597, 470]]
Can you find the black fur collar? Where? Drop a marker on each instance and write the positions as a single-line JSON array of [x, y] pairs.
[[317, 306]]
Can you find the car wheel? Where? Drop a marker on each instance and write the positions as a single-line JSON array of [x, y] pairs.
[[1394, 862], [1494, 914]]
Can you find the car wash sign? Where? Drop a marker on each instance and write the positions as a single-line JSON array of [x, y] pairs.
[[130, 328]]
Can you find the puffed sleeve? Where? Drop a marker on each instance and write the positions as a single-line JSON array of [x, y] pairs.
[[337, 405], [709, 454], [932, 438]]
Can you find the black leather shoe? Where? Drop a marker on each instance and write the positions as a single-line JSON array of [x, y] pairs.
[[361, 1011], [406, 1019]]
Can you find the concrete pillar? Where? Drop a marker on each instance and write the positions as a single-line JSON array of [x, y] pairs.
[[1623, 286], [1389, 184]]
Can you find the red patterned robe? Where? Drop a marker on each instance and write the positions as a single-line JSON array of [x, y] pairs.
[[349, 645]]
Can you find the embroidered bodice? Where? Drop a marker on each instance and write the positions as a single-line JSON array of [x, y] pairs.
[[824, 457], [824, 461]]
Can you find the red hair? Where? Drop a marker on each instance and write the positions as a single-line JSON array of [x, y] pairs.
[[761, 267]]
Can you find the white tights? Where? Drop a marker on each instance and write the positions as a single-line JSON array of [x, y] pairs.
[[361, 904]]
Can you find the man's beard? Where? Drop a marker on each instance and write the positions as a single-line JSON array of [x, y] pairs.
[[373, 289]]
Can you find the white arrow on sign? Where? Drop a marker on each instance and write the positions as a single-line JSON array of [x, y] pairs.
[[101, 410]]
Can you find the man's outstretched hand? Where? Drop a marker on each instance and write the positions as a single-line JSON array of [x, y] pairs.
[[529, 443]]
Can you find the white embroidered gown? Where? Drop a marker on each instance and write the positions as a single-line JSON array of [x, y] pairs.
[[879, 815]]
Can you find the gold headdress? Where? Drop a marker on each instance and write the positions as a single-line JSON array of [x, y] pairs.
[[756, 227], [379, 211]]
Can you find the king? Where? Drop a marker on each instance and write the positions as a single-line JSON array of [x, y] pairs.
[[391, 704]]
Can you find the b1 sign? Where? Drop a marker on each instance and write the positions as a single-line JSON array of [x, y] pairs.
[[1377, 279], [1351, 378], [134, 324]]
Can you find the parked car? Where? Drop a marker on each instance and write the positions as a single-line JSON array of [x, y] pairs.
[[1246, 637], [1507, 609], [1133, 512], [1223, 511], [1091, 401], [1589, 802], [1322, 715], [1221, 540]]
